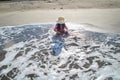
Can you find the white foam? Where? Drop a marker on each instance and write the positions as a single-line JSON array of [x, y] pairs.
[[22, 62], [74, 26]]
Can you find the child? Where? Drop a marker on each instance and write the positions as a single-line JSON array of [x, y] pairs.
[[60, 28]]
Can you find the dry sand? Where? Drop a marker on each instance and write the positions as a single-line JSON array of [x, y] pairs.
[[102, 13], [57, 4]]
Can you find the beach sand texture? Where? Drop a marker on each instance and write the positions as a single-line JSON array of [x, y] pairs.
[[101, 13]]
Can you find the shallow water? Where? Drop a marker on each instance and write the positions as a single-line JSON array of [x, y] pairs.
[[25, 53]]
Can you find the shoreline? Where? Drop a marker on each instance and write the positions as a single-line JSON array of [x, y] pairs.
[[104, 19], [99, 14]]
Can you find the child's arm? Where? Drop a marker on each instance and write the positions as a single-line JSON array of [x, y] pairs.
[[55, 28], [66, 28]]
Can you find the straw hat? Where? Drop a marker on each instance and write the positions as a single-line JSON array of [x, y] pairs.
[[60, 20]]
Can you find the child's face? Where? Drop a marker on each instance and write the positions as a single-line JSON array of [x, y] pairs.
[[61, 21]]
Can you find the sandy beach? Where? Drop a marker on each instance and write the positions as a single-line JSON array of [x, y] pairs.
[[104, 19], [104, 15], [31, 50]]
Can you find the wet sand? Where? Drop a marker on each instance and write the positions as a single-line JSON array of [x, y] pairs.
[[106, 20], [97, 15]]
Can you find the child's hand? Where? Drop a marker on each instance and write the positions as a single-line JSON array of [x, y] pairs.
[[58, 32]]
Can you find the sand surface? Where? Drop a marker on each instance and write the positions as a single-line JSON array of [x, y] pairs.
[[104, 19], [57, 4], [100, 14]]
